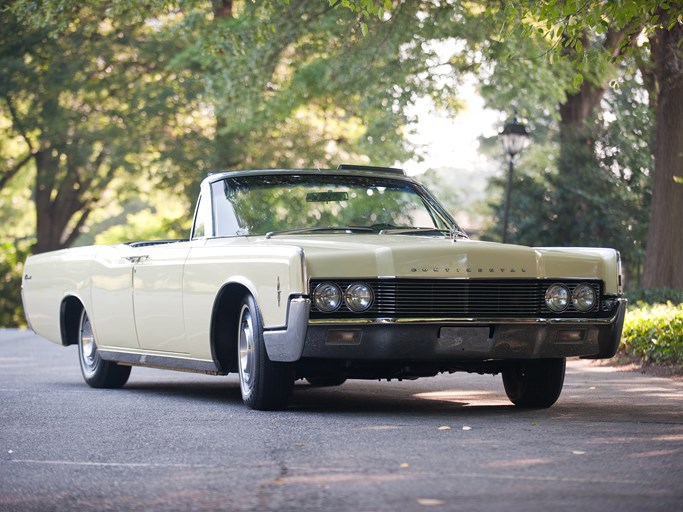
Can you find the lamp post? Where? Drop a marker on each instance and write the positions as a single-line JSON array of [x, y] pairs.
[[515, 137]]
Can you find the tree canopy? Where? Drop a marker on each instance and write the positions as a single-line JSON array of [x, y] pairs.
[[99, 91], [109, 108]]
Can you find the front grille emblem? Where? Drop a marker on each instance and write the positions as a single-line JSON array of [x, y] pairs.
[[468, 270]]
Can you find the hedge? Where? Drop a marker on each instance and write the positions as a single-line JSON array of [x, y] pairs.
[[654, 332]]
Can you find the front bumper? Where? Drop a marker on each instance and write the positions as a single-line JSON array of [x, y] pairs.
[[443, 339]]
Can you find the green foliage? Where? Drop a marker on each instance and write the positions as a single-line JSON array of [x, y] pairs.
[[654, 333], [600, 197], [566, 26], [12, 258], [99, 98], [91, 102], [147, 224], [365, 8], [656, 296], [451, 190], [519, 72], [307, 80], [303, 78]]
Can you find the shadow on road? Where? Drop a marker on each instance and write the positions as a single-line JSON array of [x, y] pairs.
[[352, 398], [382, 399], [216, 391]]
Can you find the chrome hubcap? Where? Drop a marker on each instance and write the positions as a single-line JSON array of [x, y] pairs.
[[246, 351], [88, 348]]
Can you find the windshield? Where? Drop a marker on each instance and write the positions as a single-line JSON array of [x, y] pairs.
[[270, 204]]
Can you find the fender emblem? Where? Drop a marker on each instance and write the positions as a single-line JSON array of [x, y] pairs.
[[279, 292]]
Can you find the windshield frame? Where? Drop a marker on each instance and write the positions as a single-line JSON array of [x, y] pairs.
[[436, 211]]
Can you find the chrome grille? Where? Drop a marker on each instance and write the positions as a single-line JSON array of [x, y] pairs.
[[457, 298]]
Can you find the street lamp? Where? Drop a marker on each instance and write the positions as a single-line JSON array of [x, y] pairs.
[[515, 137]]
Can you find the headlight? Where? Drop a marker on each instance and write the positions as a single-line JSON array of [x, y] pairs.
[[584, 297], [327, 297], [358, 297], [557, 297]]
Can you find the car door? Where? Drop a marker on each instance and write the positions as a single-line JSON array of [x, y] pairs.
[[112, 312], [158, 297]]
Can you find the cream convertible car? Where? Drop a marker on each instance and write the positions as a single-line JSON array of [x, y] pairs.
[[354, 273]]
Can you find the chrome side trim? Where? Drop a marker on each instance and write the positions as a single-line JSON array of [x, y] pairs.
[[305, 285], [287, 345], [162, 362]]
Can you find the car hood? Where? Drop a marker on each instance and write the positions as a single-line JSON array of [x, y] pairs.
[[364, 256]]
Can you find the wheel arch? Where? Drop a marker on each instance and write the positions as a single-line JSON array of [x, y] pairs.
[[70, 312], [224, 320]]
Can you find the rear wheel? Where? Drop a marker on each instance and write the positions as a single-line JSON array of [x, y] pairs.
[[536, 383], [97, 372], [265, 384]]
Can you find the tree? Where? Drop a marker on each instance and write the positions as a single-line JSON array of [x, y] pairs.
[[276, 71], [306, 79], [566, 27], [605, 193], [90, 103], [587, 45], [665, 236], [100, 90], [662, 66], [564, 168]]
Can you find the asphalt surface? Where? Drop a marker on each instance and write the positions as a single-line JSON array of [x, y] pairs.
[[175, 441]]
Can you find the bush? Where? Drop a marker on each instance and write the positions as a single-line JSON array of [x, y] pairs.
[[654, 333]]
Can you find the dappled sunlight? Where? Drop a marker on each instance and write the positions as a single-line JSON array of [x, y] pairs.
[[614, 440], [587, 367], [618, 381], [654, 453], [658, 393], [16, 362], [380, 427], [339, 478], [675, 438], [651, 389], [478, 398], [519, 463]]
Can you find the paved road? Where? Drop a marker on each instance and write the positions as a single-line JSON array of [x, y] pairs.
[[175, 441]]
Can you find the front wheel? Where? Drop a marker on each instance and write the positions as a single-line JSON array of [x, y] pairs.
[[97, 372], [536, 383], [265, 385]]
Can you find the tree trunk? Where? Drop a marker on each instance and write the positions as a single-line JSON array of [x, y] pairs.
[[664, 258], [580, 106], [222, 8], [61, 210], [228, 152], [576, 162], [47, 235]]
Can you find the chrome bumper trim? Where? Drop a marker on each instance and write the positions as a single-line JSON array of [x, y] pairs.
[[301, 337], [457, 340], [287, 345]]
